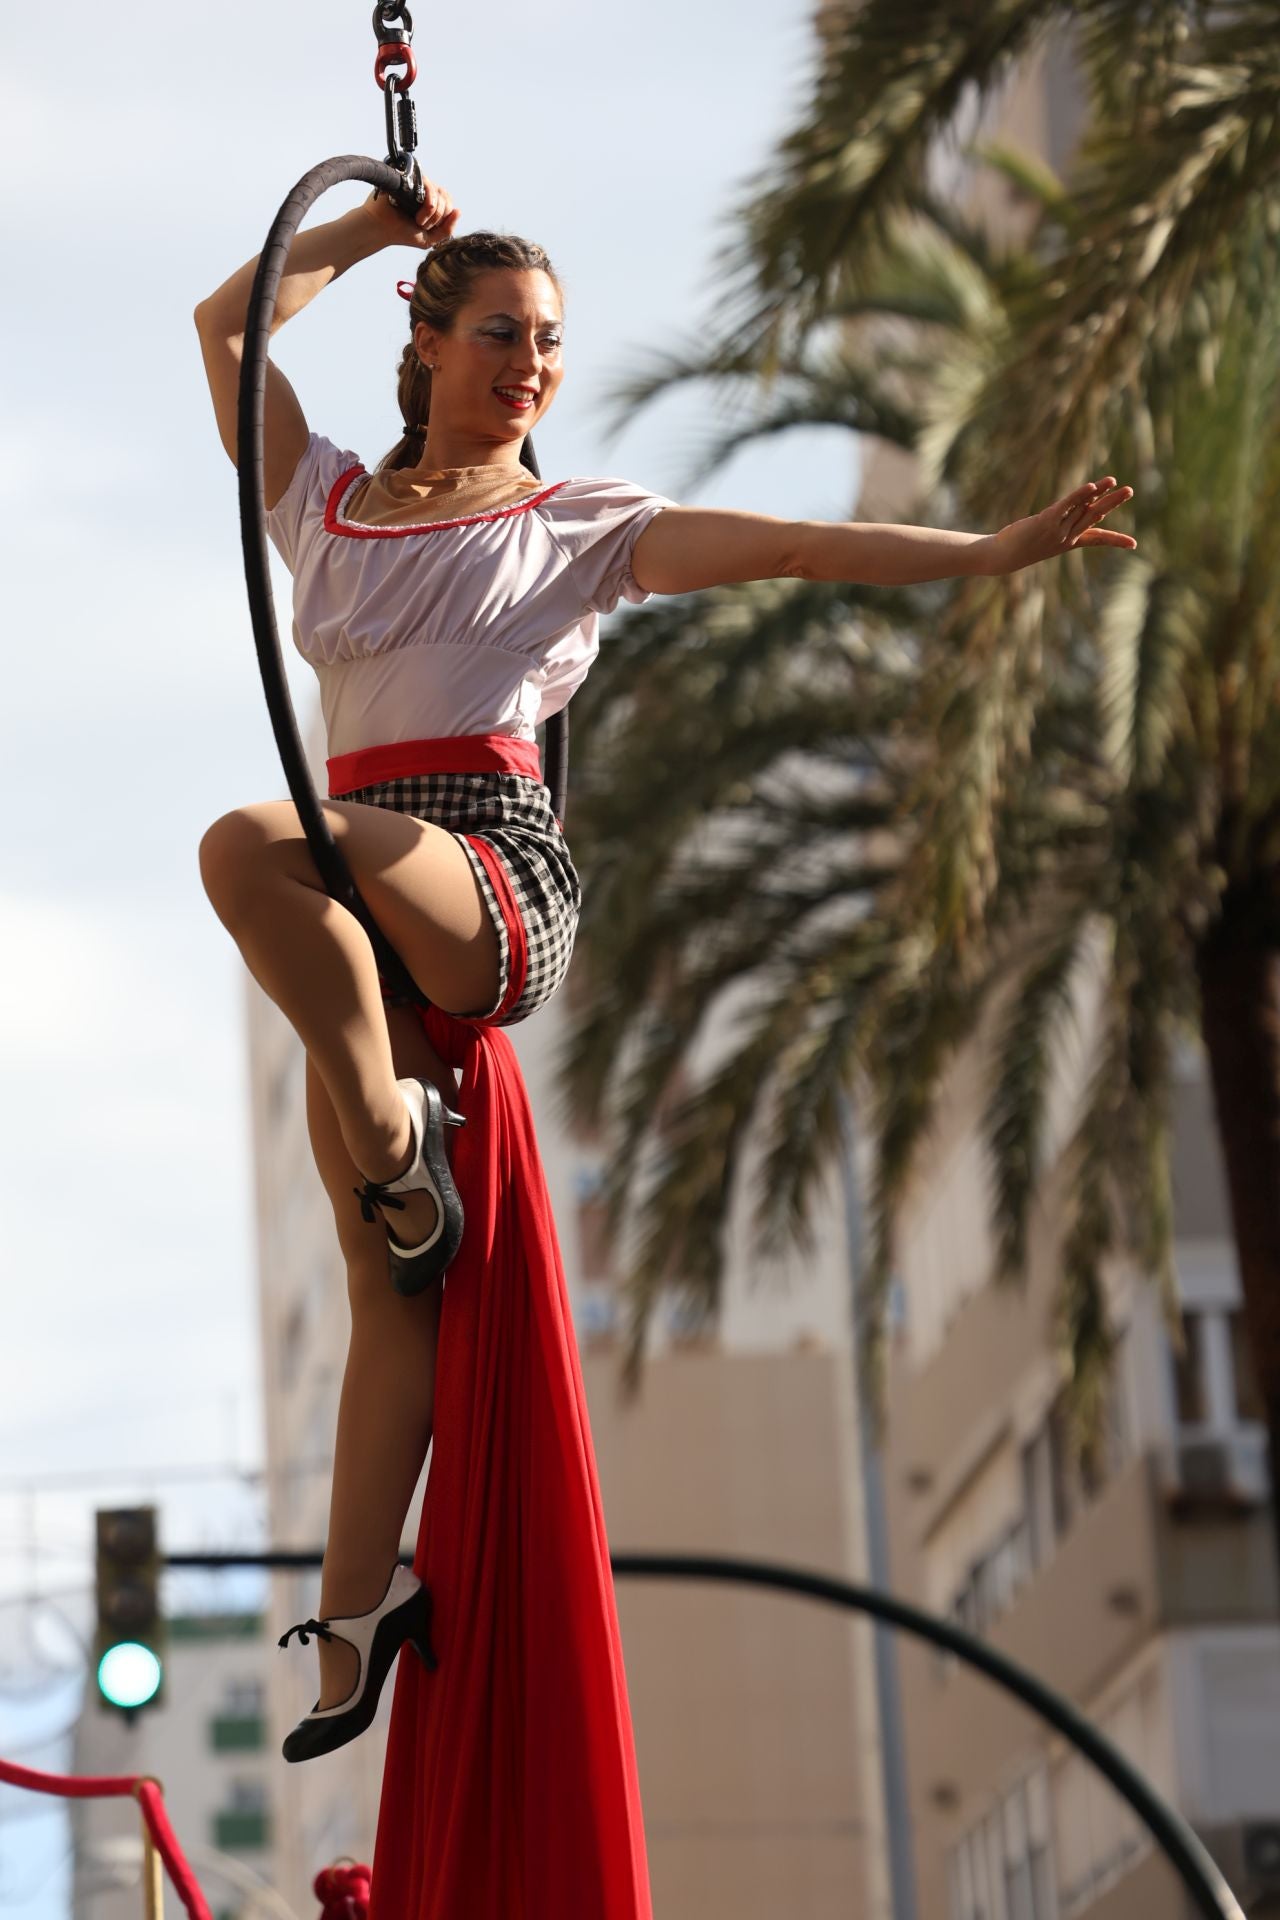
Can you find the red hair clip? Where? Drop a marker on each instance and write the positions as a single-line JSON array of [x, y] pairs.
[[406, 288]]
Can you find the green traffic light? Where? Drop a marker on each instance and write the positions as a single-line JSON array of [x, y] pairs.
[[129, 1675]]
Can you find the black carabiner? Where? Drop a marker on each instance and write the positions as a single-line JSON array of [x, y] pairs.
[[402, 129]]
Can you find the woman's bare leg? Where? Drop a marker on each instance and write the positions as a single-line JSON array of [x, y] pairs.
[[314, 960], [388, 1389]]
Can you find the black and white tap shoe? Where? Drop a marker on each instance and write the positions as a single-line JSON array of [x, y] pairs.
[[403, 1614], [413, 1268]]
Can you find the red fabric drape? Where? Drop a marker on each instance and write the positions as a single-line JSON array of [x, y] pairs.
[[510, 1790]]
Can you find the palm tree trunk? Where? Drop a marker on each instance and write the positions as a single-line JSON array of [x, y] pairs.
[[1241, 1028]]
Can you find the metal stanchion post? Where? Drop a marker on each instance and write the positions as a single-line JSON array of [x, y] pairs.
[[152, 1876]]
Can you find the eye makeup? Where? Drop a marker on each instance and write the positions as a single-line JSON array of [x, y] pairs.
[[504, 326]]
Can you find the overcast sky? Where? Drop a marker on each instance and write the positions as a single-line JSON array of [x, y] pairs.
[[145, 154]]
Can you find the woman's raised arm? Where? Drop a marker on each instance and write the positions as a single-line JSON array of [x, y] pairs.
[[686, 548], [316, 257]]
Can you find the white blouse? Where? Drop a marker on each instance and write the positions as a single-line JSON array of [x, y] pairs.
[[485, 624]]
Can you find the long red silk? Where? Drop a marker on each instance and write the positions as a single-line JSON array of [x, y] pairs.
[[510, 1790]]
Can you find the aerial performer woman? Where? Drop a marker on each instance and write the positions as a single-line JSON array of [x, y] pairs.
[[449, 603]]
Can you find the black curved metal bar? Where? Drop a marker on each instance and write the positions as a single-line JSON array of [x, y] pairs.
[[333, 868], [1180, 1845], [1188, 1857]]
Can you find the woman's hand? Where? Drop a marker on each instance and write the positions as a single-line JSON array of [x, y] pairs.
[[1069, 523], [427, 226]]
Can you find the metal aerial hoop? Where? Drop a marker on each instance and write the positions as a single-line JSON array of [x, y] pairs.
[[400, 177]]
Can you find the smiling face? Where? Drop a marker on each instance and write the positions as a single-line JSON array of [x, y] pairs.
[[497, 369]]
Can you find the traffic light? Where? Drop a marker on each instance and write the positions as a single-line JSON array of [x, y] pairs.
[[129, 1644]]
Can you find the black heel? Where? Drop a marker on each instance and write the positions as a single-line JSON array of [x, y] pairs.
[[414, 1268], [425, 1653], [420, 1634]]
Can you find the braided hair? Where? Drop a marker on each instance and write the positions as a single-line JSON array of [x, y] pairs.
[[443, 286]]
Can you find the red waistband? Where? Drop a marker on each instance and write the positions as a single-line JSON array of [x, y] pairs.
[[457, 753]]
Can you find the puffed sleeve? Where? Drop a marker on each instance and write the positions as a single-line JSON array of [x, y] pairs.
[[301, 507], [595, 524]]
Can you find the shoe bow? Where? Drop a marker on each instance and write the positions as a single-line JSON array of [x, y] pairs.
[[372, 1195], [304, 1629]]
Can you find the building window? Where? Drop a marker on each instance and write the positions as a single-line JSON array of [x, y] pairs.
[[1002, 1869], [1061, 1480], [994, 1580], [1098, 1838], [1214, 1380], [1248, 1399], [1190, 1382], [242, 1824], [239, 1726], [1059, 1483]]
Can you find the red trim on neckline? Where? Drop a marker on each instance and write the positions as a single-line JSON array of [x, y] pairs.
[[455, 753], [351, 531]]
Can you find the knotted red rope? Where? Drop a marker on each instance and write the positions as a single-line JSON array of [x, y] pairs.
[[345, 1892]]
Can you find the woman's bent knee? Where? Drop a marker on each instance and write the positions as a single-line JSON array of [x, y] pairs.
[[234, 851], [225, 850]]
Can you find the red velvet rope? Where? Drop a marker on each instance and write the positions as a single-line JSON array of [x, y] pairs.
[[106, 1786]]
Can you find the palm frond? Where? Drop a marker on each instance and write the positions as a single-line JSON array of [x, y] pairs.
[[1025, 1060], [891, 82], [1030, 175], [802, 1138], [1159, 215], [922, 1023]]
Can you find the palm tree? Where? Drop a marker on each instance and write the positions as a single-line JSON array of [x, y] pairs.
[[894, 819]]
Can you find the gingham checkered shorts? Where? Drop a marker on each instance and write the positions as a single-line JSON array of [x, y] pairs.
[[513, 813]]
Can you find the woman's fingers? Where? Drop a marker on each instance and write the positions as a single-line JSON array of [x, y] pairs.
[[1096, 508], [437, 205], [1106, 503], [1071, 501], [1104, 537]]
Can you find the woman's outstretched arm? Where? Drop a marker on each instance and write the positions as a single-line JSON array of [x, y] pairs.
[[316, 257], [686, 548]]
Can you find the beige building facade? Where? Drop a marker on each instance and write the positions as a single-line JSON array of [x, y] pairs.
[[1144, 1591]]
